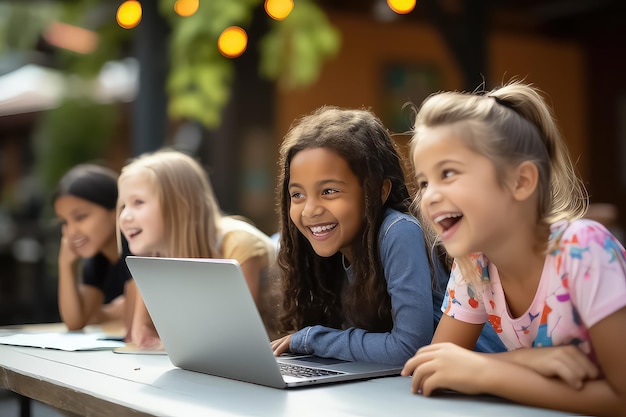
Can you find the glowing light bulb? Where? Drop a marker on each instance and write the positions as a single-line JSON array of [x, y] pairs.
[[129, 14], [186, 7], [232, 42], [278, 9], [401, 6]]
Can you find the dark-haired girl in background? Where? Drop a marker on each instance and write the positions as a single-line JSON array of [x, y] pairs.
[[97, 289]]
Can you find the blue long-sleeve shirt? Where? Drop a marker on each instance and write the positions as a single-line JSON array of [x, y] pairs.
[[414, 304]]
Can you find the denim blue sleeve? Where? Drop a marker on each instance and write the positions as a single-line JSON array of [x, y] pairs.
[[407, 273]]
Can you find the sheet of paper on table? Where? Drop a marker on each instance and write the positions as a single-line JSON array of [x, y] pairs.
[[62, 341]]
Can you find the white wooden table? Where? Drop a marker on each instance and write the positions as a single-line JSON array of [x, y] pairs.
[[103, 383]]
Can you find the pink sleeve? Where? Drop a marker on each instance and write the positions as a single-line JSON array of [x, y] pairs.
[[594, 264], [462, 301]]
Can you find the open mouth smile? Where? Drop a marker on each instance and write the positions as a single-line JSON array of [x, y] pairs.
[[446, 221], [132, 233], [78, 243], [322, 230]]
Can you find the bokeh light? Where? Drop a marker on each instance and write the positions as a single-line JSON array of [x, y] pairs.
[[278, 9], [186, 7], [401, 6], [232, 42], [129, 14]]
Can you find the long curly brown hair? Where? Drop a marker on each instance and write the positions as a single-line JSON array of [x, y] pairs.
[[314, 288]]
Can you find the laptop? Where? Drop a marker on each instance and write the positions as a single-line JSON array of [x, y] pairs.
[[208, 322]]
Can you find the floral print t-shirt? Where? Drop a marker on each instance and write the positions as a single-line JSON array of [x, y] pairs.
[[583, 281]]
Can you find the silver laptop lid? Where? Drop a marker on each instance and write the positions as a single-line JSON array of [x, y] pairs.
[[206, 317], [209, 323]]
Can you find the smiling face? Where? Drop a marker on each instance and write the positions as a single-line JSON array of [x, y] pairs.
[[140, 216], [326, 201], [459, 192], [89, 227]]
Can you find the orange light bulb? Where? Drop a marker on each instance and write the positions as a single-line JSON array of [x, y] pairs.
[[401, 6], [186, 7], [278, 9], [129, 14], [232, 42]]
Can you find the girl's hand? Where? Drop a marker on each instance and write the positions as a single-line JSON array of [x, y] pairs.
[[145, 337], [280, 346], [565, 362], [67, 256], [446, 366], [113, 310]]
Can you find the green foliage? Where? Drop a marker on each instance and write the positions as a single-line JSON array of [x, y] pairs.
[[200, 77], [21, 24], [76, 131], [79, 129], [295, 49], [99, 17]]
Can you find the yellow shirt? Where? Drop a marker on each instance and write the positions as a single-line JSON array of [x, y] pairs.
[[242, 241]]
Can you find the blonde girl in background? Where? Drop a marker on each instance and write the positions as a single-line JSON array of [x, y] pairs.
[[94, 282], [498, 188], [167, 208]]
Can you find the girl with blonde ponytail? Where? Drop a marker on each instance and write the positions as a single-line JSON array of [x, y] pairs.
[[497, 188]]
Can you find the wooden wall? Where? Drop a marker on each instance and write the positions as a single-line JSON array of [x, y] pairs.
[[356, 76]]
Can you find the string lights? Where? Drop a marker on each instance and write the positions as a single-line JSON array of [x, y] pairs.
[[233, 40]]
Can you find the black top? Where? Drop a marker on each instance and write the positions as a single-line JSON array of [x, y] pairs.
[[109, 278]]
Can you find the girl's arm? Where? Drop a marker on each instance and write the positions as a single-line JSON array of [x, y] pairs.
[[252, 268], [568, 363], [142, 332], [113, 310], [130, 295], [408, 277], [565, 362], [448, 366], [252, 249], [449, 330], [458, 332], [79, 304]]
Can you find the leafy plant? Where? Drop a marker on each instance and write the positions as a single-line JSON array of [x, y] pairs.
[[78, 130], [199, 84], [295, 49], [200, 78]]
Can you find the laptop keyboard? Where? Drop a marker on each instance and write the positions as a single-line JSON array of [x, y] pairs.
[[300, 371]]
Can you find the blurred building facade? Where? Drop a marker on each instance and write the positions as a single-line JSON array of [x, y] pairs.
[[573, 50]]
